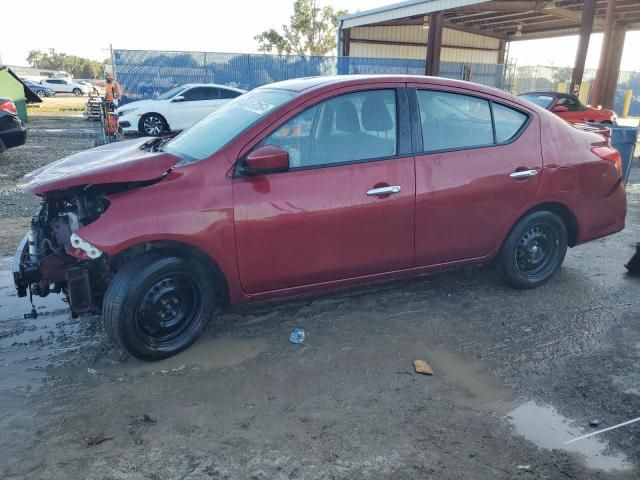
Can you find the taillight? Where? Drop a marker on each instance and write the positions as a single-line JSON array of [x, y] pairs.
[[9, 107], [610, 154]]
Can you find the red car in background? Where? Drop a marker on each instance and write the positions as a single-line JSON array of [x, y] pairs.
[[311, 184], [570, 108]]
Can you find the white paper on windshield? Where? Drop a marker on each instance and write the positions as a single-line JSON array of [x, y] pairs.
[[259, 108]]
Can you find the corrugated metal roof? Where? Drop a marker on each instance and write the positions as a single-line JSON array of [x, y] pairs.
[[402, 10]]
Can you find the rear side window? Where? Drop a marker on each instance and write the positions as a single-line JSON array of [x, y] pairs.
[[453, 121], [224, 93], [508, 122]]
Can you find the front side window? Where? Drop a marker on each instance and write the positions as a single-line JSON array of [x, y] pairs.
[[351, 127], [454, 121], [196, 94], [508, 122], [224, 124]]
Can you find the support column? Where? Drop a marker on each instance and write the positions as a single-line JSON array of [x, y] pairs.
[[501, 52], [601, 76], [613, 67], [346, 42], [434, 44], [586, 26]]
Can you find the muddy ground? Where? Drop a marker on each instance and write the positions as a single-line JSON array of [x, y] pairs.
[[517, 373]]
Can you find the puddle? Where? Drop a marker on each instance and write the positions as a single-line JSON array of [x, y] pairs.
[[207, 353], [26, 343], [473, 385], [545, 427]]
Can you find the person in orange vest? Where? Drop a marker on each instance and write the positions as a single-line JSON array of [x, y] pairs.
[[113, 91]]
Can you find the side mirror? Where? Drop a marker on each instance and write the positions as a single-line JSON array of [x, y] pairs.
[[266, 159], [178, 98], [559, 109]]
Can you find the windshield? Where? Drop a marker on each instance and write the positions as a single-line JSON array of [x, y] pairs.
[[224, 124], [541, 100], [171, 93]]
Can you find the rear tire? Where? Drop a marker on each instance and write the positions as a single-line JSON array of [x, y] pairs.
[[158, 304], [534, 250]]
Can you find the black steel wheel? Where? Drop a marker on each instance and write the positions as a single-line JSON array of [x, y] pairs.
[[158, 304], [152, 124], [534, 250]]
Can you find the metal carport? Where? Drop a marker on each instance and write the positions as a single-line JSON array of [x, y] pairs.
[[479, 30]]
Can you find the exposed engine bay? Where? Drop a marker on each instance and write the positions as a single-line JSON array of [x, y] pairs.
[[52, 258]]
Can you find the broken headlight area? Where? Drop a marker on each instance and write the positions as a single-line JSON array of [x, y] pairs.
[[52, 258]]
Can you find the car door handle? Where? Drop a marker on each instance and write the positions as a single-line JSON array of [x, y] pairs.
[[524, 174], [381, 191]]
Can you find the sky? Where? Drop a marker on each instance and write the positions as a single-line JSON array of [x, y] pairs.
[[206, 25]]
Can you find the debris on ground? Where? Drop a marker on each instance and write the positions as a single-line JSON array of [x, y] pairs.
[[594, 423], [634, 264], [91, 371], [297, 336], [422, 367], [526, 468], [147, 419], [96, 440]]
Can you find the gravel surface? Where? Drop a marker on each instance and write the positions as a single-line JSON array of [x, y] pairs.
[[49, 138], [517, 373]]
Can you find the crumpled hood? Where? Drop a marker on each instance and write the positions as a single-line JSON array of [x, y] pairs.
[[111, 163]]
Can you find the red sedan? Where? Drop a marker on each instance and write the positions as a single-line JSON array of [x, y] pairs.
[[311, 184], [570, 108]]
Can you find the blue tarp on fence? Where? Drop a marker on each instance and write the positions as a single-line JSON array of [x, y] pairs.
[[148, 73]]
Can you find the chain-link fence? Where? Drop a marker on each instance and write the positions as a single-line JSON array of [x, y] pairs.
[[148, 73], [520, 79]]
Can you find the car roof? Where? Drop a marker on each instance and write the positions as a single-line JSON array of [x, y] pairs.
[[550, 93], [304, 85], [217, 85]]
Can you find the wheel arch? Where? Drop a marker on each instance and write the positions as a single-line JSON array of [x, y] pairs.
[[181, 249], [560, 209]]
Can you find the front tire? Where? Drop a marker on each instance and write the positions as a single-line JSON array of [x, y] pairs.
[[158, 304], [534, 250], [41, 93], [77, 92], [152, 124]]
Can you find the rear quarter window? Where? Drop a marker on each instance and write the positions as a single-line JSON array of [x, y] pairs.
[[508, 122]]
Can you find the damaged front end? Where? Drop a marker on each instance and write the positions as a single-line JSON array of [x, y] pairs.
[[52, 258]]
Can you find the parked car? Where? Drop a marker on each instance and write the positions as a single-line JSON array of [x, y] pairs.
[[39, 89], [92, 88], [177, 109], [62, 85], [570, 108], [12, 131], [311, 184]]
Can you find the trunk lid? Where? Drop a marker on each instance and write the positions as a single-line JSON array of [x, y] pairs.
[[121, 162]]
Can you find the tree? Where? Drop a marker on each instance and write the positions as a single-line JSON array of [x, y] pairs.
[[311, 31], [77, 66]]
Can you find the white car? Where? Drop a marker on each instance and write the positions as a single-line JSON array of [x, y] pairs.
[[177, 109], [62, 85]]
